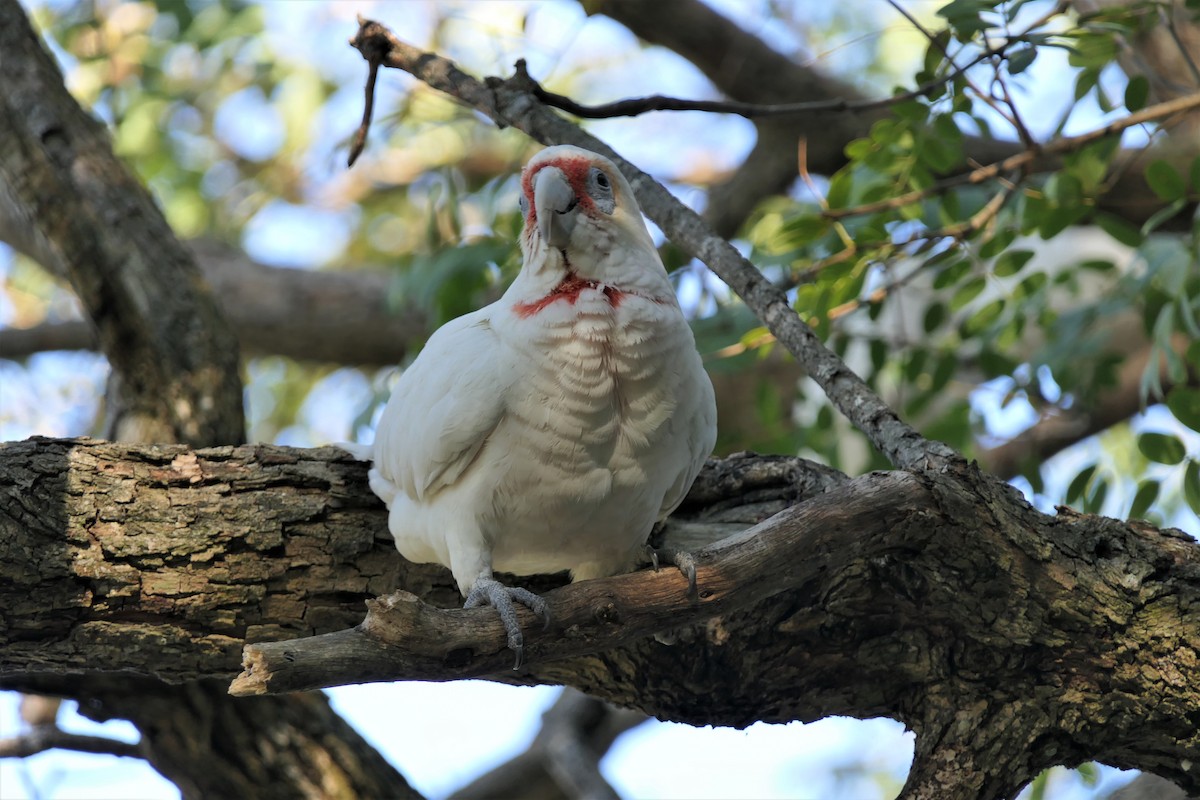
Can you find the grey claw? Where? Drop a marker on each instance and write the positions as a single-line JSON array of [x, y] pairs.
[[683, 561], [488, 591]]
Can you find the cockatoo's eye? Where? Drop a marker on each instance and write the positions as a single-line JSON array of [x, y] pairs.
[[523, 202], [601, 191]]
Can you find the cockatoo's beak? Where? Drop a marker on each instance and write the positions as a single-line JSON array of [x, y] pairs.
[[555, 203]]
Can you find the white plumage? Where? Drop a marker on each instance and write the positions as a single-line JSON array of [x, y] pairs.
[[553, 428]]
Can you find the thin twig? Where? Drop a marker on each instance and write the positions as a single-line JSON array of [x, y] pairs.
[[374, 56], [49, 737], [1168, 18], [634, 106]]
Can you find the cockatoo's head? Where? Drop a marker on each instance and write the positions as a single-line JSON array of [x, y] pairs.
[[581, 217]]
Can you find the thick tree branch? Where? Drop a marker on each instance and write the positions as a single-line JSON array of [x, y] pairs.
[[279, 543], [337, 316], [914, 597], [405, 639]]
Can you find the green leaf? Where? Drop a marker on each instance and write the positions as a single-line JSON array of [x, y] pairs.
[[964, 17], [1161, 447], [1163, 214], [1020, 60], [1093, 50], [1184, 403], [1086, 81], [840, 186], [982, 319], [1191, 485], [1119, 229], [1165, 181], [946, 368], [1093, 501], [951, 273], [1031, 285], [1136, 93], [1147, 493], [998, 243], [1056, 220], [1079, 483], [995, 364], [966, 293], [1065, 189], [801, 230], [1011, 262], [879, 354], [935, 315]]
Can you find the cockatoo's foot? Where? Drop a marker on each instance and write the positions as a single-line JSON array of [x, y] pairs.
[[680, 559], [491, 592]]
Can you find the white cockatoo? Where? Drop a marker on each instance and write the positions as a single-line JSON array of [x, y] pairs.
[[552, 429]]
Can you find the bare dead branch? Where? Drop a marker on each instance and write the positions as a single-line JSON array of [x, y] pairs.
[[360, 135], [635, 106]]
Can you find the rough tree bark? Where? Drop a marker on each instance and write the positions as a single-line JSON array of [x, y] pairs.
[[1008, 639]]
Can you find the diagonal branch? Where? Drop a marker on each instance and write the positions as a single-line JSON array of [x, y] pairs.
[[513, 103]]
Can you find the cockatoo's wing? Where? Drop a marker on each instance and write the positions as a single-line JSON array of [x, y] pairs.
[[702, 436], [442, 409]]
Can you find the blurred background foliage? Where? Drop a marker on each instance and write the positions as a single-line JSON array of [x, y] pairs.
[[978, 308]]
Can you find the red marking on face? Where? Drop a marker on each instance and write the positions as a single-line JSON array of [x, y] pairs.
[[575, 168], [568, 289]]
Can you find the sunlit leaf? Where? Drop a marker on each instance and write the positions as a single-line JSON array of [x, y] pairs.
[[967, 292]]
